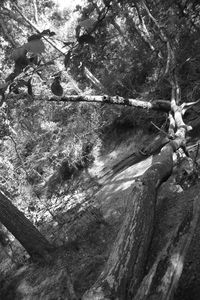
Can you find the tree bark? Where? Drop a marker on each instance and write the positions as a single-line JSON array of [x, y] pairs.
[[124, 270], [161, 281], [159, 105], [23, 230]]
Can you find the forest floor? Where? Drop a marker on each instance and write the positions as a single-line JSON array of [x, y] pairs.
[[92, 234]]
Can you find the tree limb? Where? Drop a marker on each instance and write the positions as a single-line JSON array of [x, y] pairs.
[[93, 79], [160, 105], [35, 11]]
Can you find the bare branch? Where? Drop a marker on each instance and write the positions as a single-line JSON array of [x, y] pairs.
[[93, 79], [35, 11], [159, 129], [160, 105], [145, 31]]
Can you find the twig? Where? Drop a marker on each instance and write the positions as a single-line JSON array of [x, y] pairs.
[[165, 133], [94, 80], [35, 10]]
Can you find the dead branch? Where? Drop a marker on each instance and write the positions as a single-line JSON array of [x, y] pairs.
[[160, 105], [124, 269], [93, 79], [35, 11], [11, 15], [145, 32]]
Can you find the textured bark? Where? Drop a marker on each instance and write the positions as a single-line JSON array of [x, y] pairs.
[[152, 148], [161, 281], [124, 269], [23, 230]]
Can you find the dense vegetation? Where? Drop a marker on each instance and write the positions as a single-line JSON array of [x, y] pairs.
[[131, 49]]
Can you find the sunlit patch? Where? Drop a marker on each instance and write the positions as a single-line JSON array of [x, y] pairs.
[[177, 263], [62, 4]]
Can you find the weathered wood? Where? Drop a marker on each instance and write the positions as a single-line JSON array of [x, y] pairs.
[[152, 148], [125, 267], [159, 105], [161, 281]]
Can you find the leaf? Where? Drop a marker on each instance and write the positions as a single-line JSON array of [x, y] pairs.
[[34, 37], [19, 52], [87, 39], [56, 88], [20, 64], [35, 46], [67, 59], [48, 32], [87, 23], [66, 44], [33, 60], [52, 33]]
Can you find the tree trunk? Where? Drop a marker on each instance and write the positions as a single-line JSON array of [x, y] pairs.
[[124, 269], [162, 279], [23, 230]]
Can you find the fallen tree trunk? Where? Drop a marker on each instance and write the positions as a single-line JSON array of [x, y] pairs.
[[152, 148], [161, 281], [124, 270]]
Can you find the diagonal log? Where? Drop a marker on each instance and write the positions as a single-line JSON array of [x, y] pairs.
[[161, 281], [124, 270]]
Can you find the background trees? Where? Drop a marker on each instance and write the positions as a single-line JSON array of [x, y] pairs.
[[138, 50]]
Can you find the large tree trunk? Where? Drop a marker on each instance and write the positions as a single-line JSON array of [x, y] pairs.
[[23, 230], [162, 279], [124, 270]]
